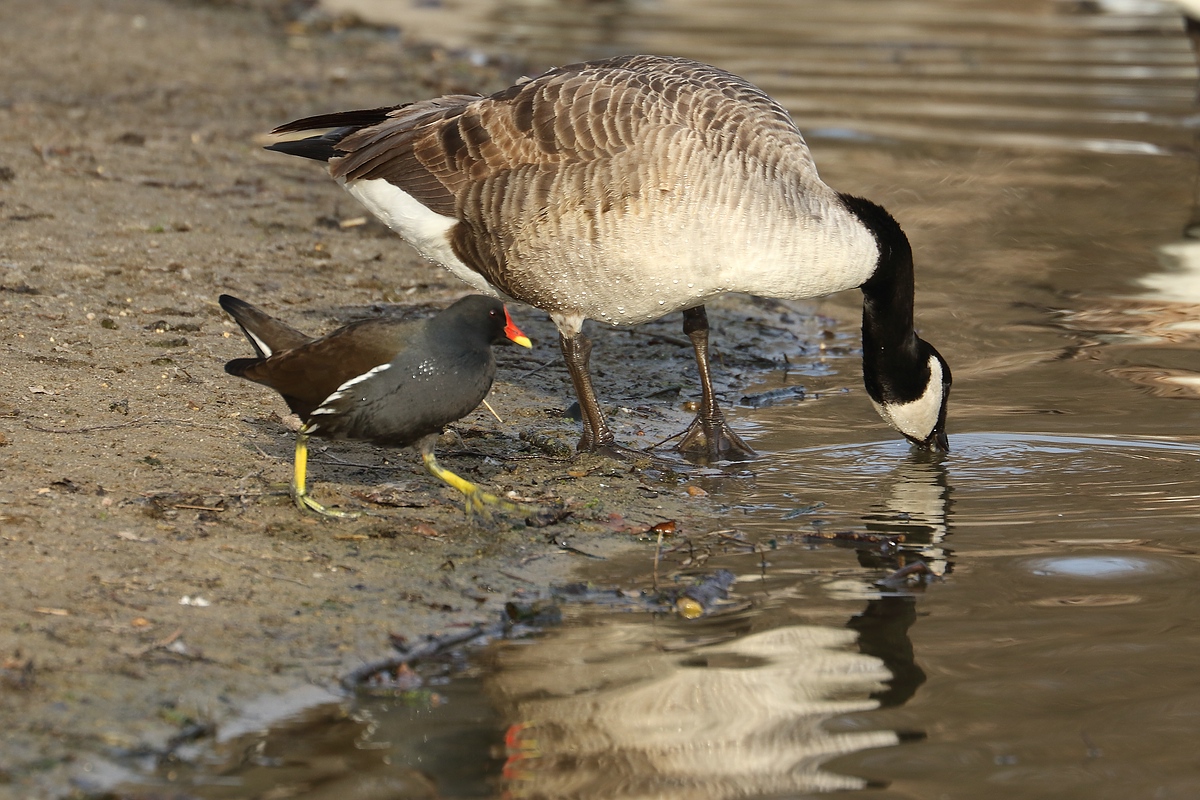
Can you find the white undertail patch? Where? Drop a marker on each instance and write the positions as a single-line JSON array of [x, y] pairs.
[[426, 230], [918, 418], [259, 345]]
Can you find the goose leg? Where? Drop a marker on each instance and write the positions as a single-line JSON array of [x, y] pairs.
[[300, 477], [596, 434], [709, 424]]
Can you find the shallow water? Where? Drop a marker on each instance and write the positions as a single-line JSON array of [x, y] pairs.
[[1040, 155]]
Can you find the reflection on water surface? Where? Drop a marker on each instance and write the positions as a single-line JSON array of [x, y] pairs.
[[631, 709]]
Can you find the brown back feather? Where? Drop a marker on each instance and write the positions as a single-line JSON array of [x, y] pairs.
[[548, 140], [305, 376]]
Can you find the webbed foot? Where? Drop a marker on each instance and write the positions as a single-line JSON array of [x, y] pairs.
[[716, 439]]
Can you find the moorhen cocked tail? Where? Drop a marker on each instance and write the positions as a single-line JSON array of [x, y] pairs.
[[385, 381], [625, 189]]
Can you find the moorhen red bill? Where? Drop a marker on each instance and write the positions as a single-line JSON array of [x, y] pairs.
[[382, 380], [624, 189]]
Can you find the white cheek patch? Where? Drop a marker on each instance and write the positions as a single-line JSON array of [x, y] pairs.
[[424, 229], [919, 417]]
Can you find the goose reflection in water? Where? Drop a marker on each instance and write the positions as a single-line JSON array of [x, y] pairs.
[[735, 705], [916, 507], [628, 710], [1165, 315]]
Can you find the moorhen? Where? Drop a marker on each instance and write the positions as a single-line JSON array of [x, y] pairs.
[[624, 189], [382, 380]]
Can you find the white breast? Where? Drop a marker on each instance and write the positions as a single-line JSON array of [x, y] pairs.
[[643, 263]]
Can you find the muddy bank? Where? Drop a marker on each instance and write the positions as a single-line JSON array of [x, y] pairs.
[[156, 575]]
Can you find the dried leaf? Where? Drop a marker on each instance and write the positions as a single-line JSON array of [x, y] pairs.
[[395, 497], [428, 531], [618, 524]]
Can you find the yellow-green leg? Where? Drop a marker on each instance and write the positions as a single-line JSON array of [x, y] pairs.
[[476, 499], [299, 479]]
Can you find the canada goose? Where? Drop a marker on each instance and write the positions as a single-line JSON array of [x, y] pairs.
[[625, 189], [386, 381]]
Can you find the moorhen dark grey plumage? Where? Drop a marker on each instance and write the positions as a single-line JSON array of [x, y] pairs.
[[382, 380], [625, 189]]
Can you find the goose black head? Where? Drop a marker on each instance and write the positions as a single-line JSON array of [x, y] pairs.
[[915, 405]]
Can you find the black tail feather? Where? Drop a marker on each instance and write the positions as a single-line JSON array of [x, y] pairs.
[[324, 147], [339, 119], [318, 148], [238, 366], [266, 334]]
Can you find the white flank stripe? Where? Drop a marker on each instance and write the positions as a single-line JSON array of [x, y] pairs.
[[345, 388]]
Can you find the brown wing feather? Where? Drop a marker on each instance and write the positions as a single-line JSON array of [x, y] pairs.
[[388, 150], [305, 376], [502, 160], [254, 322]]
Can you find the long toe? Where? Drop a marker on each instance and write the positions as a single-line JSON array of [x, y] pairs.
[[475, 502], [731, 446], [305, 503], [478, 504]]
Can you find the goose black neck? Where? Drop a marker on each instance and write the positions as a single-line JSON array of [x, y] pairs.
[[894, 364]]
